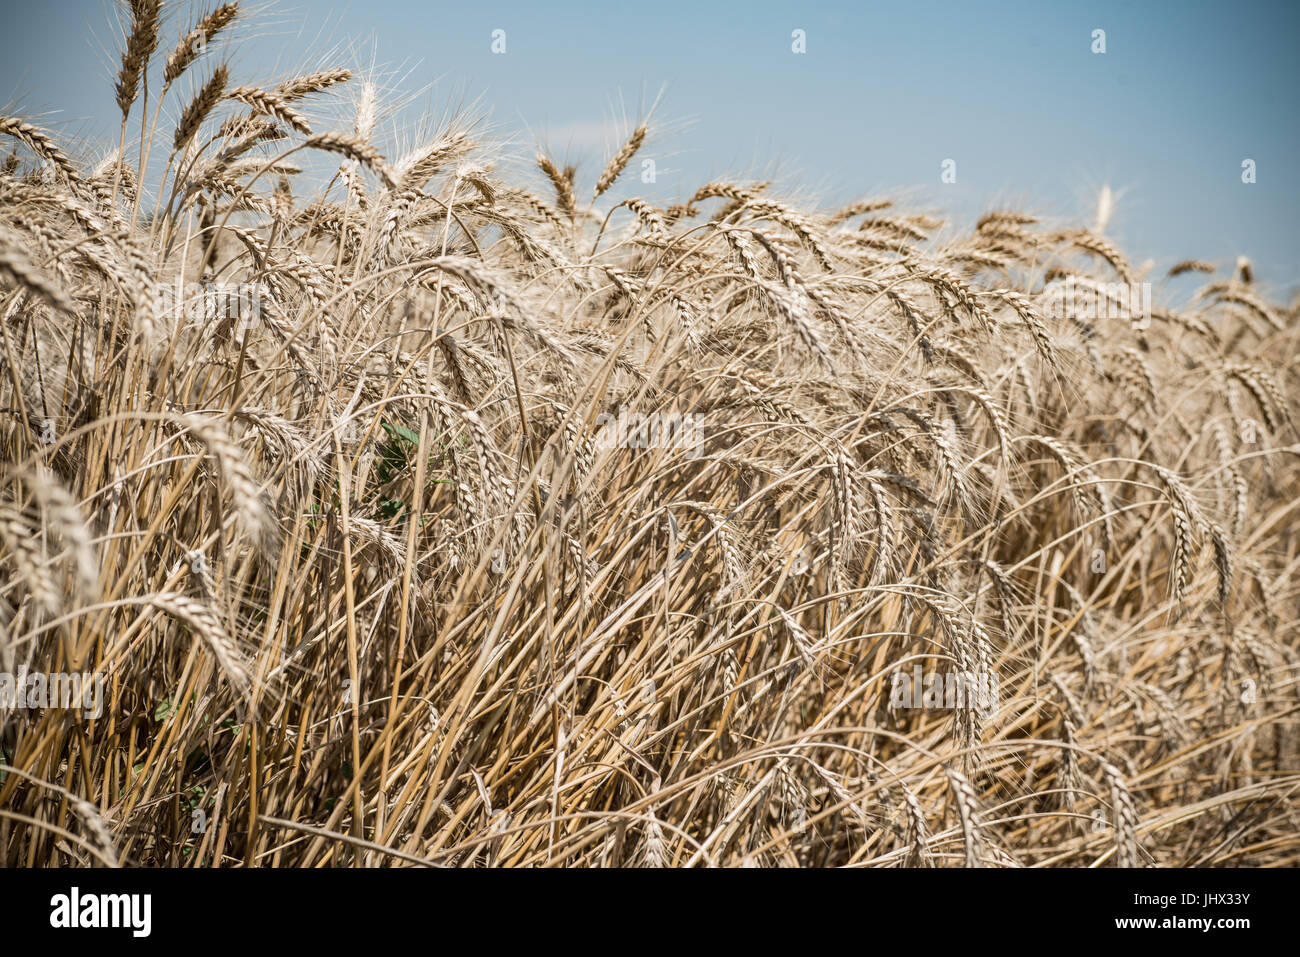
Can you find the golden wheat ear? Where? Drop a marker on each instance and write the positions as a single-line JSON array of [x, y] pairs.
[[191, 46], [199, 108], [620, 160], [562, 182], [141, 42]]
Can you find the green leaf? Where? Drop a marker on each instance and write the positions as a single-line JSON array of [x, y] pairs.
[[401, 432]]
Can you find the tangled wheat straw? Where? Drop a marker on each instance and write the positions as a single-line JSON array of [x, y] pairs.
[[373, 580]]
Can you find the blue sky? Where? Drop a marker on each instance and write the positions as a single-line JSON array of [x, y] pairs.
[[884, 94]]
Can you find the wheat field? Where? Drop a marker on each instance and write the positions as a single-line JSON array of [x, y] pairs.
[[509, 519]]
